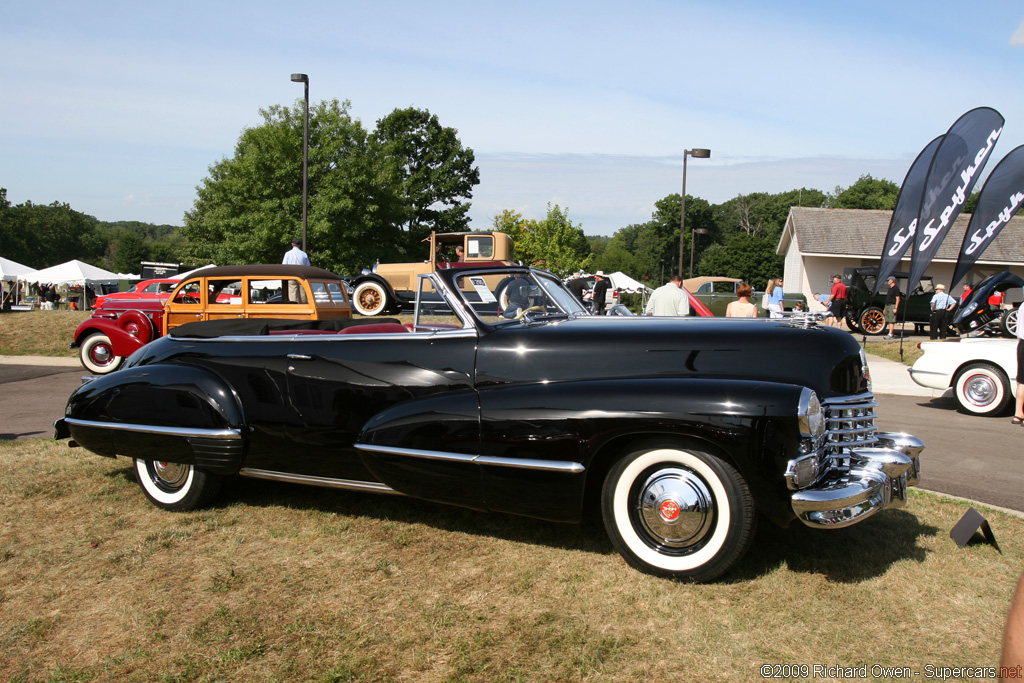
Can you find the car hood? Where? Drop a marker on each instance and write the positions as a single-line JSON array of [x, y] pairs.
[[602, 347]]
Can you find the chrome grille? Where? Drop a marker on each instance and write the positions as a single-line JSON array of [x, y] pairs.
[[850, 423]]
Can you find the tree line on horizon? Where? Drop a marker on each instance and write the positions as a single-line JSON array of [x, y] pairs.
[[374, 195]]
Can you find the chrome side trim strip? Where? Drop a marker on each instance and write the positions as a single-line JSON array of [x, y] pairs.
[[318, 481], [151, 429], [517, 463]]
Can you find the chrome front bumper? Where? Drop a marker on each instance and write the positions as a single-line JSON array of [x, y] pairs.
[[878, 479]]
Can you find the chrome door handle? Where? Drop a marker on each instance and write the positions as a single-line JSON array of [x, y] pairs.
[[299, 356]]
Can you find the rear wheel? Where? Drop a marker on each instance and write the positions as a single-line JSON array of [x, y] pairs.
[[872, 320], [982, 389], [682, 514], [173, 486], [97, 354], [371, 298]]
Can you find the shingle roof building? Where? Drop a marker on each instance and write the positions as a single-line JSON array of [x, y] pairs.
[[819, 242]]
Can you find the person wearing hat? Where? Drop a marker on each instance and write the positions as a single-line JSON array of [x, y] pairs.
[[295, 256], [600, 292], [892, 304], [942, 305]]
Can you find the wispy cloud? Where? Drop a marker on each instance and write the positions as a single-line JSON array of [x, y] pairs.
[[1017, 39]]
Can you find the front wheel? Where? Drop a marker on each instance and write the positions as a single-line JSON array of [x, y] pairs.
[[682, 514], [872, 321], [97, 354], [982, 389], [173, 486], [371, 298], [1008, 323]]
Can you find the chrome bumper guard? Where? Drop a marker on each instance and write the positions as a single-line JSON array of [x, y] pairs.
[[877, 479]]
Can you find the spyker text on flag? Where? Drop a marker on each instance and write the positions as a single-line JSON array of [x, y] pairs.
[[904, 217], [1002, 195], [958, 161]]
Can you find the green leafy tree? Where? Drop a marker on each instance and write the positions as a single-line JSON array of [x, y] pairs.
[[251, 204], [513, 224], [39, 235], [867, 193], [435, 172], [750, 257], [554, 242], [128, 250]]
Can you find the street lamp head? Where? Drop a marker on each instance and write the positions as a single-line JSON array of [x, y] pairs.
[[300, 78], [696, 153]]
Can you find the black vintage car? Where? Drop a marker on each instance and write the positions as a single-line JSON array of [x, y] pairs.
[[865, 309], [679, 444]]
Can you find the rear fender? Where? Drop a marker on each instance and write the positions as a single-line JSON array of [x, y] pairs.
[[173, 413]]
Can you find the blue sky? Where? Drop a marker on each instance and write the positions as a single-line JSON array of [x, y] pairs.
[[119, 108]]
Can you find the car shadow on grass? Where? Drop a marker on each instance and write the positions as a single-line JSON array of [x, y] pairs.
[[851, 555]]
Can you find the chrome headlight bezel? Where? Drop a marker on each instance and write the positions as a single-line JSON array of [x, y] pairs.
[[811, 417]]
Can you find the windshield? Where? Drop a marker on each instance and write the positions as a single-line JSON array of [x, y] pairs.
[[499, 296]]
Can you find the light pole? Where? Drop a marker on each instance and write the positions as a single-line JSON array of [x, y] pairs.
[[303, 78], [694, 232], [697, 154]]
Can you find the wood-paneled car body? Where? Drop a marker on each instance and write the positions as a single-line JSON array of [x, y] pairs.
[[679, 445], [119, 327]]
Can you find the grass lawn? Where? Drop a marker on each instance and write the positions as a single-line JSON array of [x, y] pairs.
[[288, 583]]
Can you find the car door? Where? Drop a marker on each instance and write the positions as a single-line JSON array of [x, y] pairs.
[[186, 305], [409, 396]]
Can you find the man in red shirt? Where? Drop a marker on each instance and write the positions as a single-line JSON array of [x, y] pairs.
[[837, 300]]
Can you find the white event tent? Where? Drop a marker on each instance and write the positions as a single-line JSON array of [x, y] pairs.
[[625, 283], [12, 271], [74, 272]]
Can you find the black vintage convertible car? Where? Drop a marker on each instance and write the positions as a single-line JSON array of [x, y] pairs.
[[680, 438]]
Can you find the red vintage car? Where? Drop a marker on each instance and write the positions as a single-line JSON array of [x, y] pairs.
[[157, 290]]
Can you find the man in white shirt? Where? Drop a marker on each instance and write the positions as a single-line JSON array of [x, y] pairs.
[[669, 299], [295, 256], [942, 305]]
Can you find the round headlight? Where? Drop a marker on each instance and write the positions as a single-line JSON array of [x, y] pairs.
[[811, 415]]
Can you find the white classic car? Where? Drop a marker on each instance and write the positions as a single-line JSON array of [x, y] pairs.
[[979, 371]]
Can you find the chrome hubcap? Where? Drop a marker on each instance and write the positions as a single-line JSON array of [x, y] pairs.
[[101, 354], [676, 508], [980, 390], [170, 475]]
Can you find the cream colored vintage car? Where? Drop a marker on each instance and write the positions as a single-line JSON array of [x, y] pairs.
[[389, 287]]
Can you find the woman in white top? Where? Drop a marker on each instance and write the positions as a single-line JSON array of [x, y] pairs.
[[741, 308], [775, 296]]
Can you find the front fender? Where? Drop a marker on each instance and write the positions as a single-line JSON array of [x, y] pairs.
[[173, 413], [123, 343], [751, 424]]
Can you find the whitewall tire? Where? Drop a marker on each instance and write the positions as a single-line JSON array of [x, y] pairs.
[[982, 389], [678, 513], [97, 354], [173, 486], [370, 298]]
